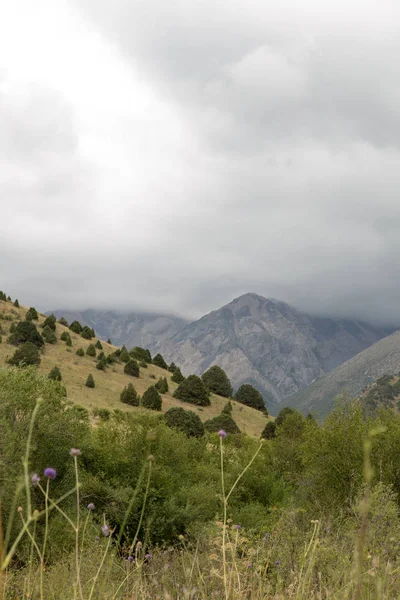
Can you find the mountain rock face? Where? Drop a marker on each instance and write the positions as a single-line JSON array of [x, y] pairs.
[[131, 329], [267, 343]]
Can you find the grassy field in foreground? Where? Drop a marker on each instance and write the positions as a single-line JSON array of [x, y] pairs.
[[110, 383]]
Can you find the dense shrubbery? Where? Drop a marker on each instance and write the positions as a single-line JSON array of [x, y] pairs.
[[25, 331], [63, 321], [222, 421], [50, 322], [32, 314], [162, 385], [140, 354], [185, 420], [194, 391], [217, 381], [152, 399], [247, 394], [49, 335], [27, 354], [87, 333], [55, 374]]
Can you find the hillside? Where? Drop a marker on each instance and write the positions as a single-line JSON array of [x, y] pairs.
[[269, 344], [110, 383], [382, 358]]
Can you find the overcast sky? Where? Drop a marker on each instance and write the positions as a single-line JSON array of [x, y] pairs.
[[171, 155]]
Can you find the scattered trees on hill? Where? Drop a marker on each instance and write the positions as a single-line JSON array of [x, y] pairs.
[[140, 354], [247, 394], [87, 333], [90, 381], [55, 374], [217, 381], [162, 385], [98, 345], [63, 321], [25, 331], [159, 361], [3, 296], [80, 352], [27, 354], [222, 421], [132, 368], [193, 390], [65, 337], [49, 336], [152, 399], [76, 327], [91, 350], [33, 313], [177, 376], [50, 322], [184, 420], [268, 433], [101, 363], [130, 396]]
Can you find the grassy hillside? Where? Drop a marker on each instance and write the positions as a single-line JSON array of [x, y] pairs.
[[382, 358], [110, 383]]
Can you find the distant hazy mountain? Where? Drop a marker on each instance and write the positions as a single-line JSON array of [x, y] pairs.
[[269, 344], [131, 329], [382, 358]]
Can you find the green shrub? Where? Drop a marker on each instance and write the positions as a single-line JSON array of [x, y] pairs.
[[91, 350], [111, 358], [16, 303], [28, 316], [76, 327], [3, 296], [177, 376], [162, 385], [103, 413], [50, 322], [222, 421], [217, 381], [124, 356], [63, 321], [159, 361], [87, 333], [152, 399], [90, 381], [80, 352], [98, 345], [193, 390], [27, 354], [283, 414], [13, 327], [33, 313], [129, 396], [268, 433], [101, 364], [228, 408], [25, 331], [101, 355], [109, 342], [143, 364], [69, 341], [172, 367], [185, 420], [132, 368], [55, 374], [248, 395], [64, 336], [140, 354], [49, 336]]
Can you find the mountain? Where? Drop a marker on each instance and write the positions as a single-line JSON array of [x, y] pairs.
[[269, 344], [131, 329], [382, 358]]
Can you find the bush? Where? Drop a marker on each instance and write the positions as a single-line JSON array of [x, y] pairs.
[[87, 333], [91, 350], [283, 414], [159, 362], [33, 313], [172, 368], [101, 355], [124, 356], [76, 327], [185, 420], [25, 331], [28, 316], [222, 421], [69, 341], [103, 413], [55, 374], [143, 364], [16, 303], [162, 385], [268, 432], [217, 381], [129, 395], [101, 364], [63, 321], [193, 390], [3, 296], [98, 345], [50, 322], [152, 399], [248, 395], [228, 408], [90, 381], [49, 336], [132, 368], [80, 352], [109, 342], [177, 376], [111, 358], [140, 354], [25, 355], [64, 336]]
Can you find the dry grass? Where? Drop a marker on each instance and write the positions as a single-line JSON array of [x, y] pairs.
[[111, 382]]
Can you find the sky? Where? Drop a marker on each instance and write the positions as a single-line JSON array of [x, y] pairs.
[[170, 156]]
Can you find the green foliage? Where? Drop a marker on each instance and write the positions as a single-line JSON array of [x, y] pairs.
[[162, 385], [49, 336], [101, 355], [140, 354], [103, 413], [33, 313], [101, 363], [91, 350], [185, 420], [55, 374], [268, 433], [50, 322], [132, 368], [87, 333], [68, 341], [3, 296], [63, 321], [124, 356], [25, 331], [76, 327], [129, 395], [16, 303], [222, 421], [152, 399], [28, 316], [193, 390], [172, 367], [228, 408], [143, 364], [27, 354], [177, 376], [64, 336], [109, 342], [98, 345], [217, 381], [111, 358], [1, 339], [247, 394], [90, 383], [80, 352], [13, 327], [159, 361], [283, 414]]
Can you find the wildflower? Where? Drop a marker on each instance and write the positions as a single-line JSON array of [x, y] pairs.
[[222, 434], [35, 479], [277, 562], [50, 473], [237, 527], [130, 558], [90, 506], [139, 545], [74, 452], [105, 530], [96, 539], [148, 556], [249, 565]]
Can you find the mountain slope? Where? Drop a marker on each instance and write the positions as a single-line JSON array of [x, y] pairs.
[[269, 344], [380, 359], [110, 383]]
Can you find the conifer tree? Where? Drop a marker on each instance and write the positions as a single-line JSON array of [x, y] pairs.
[[159, 361], [152, 399], [98, 345], [91, 350], [129, 395], [55, 374], [217, 381], [16, 303], [27, 354], [193, 390], [177, 376], [132, 368], [90, 381]]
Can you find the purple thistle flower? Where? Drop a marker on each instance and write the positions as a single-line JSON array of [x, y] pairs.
[[105, 530], [90, 506], [96, 539], [35, 479], [50, 473], [222, 434], [277, 562], [148, 556], [237, 527], [130, 558], [74, 452]]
